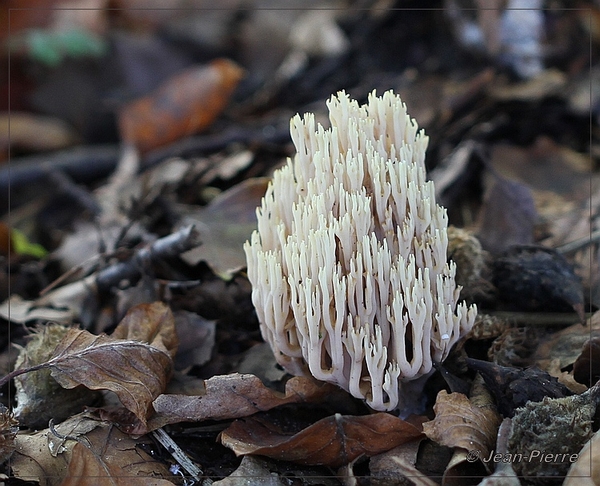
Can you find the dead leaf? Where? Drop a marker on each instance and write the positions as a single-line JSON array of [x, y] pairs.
[[547, 83], [124, 419], [504, 474], [234, 396], [385, 466], [333, 441], [137, 372], [268, 472], [561, 181], [469, 426], [88, 468], [507, 216], [460, 423], [225, 225], [586, 368], [42, 456], [197, 347], [32, 460], [566, 344], [34, 132], [88, 452], [149, 323], [16, 309], [187, 103]]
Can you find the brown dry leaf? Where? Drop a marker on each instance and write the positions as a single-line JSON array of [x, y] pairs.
[[89, 452], [197, 347], [507, 217], [225, 224], [90, 469], [561, 349], [44, 457], [187, 103], [333, 441], [137, 372], [586, 368], [504, 474], [32, 460], [385, 466], [34, 132], [561, 181], [149, 323], [461, 423], [234, 396]]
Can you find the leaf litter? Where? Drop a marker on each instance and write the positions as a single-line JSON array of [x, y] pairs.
[[133, 318]]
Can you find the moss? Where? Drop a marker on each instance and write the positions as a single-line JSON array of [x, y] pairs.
[[546, 436], [39, 397]]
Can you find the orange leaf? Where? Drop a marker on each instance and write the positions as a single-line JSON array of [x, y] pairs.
[[187, 103], [333, 441]]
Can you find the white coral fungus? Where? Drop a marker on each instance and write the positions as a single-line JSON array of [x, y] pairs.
[[348, 265]]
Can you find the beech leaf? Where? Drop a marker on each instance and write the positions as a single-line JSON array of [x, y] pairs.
[[461, 423], [234, 396], [151, 323], [89, 469], [137, 372], [333, 441]]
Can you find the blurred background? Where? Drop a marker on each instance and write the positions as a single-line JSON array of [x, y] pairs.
[[507, 91]]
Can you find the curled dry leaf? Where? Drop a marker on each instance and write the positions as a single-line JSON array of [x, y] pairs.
[[558, 351], [150, 323], [333, 441], [460, 423], [234, 396], [187, 103], [137, 372], [504, 474]]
